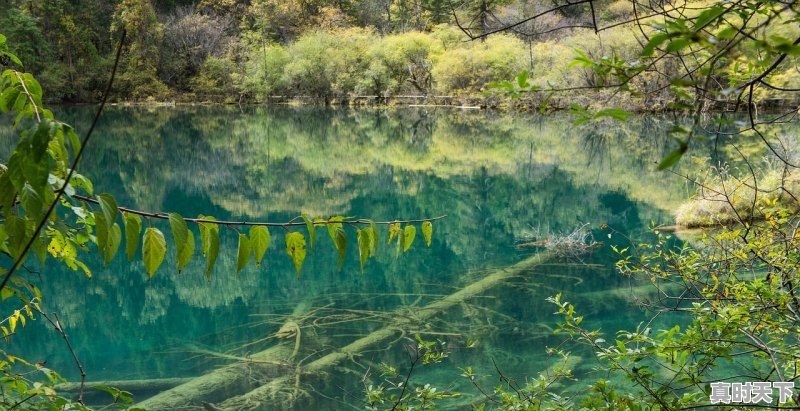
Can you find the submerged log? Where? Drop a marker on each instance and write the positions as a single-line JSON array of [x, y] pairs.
[[156, 384], [229, 380], [281, 388]]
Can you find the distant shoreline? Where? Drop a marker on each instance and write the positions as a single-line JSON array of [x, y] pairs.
[[454, 102]]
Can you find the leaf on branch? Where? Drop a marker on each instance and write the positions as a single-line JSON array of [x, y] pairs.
[[209, 237], [522, 79], [154, 248], [655, 41], [615, 113], [673, 157], [707, 16], [427, 232], [179, 229], [133, 227], [185, 254], [259, 242], [114, 241], [364, 246], [296, 249], [678, 44], [408, 237], [374, 236], [108, 206], [312, 232], [394, 230], [242, 253], [340, 241], [184, 240]]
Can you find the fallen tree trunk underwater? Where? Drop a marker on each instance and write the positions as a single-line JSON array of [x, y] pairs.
[[156, 384], [227, 378]]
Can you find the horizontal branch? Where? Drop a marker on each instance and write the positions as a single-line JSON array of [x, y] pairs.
[[290, 223]]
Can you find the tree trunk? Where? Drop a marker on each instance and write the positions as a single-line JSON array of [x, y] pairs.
[[280, 388]]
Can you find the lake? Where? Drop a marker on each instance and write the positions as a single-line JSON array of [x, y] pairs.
[[501, 179]]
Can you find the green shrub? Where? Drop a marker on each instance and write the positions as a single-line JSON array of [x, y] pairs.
[[470, 68], [264, 71], [401, 63]]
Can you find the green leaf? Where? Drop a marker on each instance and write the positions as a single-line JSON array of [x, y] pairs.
[[312, 232], [15, 229], [394, 230], [14, 59], [408, 236], [340, 241], [654, 42], [427, 232], [8, 97], [133, 227], [180, 233], [243, 252], [678, 44], [259, 242], [615, 113], [114, 241], [212, 252], [707, 16], [339, 238], [673, 157], [374, 235], [7, 194], [582, 60], [108, 206], [522, 79], [34, 88], [154, 248], [209, 236], [39, 247], [101, 232], [3, 238], [80, 181], [31, 201], [205, 230], [185, 254], [296, 249], [334, 223], [364, 246]]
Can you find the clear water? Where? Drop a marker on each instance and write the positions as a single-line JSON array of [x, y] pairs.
[[498, 177]]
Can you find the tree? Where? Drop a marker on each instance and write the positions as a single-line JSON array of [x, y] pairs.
[[138, 75], [190, 38]]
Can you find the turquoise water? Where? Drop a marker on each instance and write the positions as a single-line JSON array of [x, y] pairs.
[[499, 178]]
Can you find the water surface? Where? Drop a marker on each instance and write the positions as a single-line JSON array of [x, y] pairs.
[[499, 178]]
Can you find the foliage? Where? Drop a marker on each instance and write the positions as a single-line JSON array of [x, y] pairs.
[[739, 305], [138, 76], [395, 391], [471, 68], [192, 42]]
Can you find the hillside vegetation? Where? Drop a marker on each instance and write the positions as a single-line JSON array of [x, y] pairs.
[[361, 52]]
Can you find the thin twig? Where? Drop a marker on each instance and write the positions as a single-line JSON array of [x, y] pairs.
[[290, 223], [57, 325]]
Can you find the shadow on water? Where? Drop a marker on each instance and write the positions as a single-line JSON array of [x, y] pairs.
[[497, 176]]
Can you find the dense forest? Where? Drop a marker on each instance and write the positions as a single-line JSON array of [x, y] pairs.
[[354, 51]]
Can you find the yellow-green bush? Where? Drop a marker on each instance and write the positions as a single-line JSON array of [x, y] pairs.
[[264, 70], [468, 69], [401, 63]]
